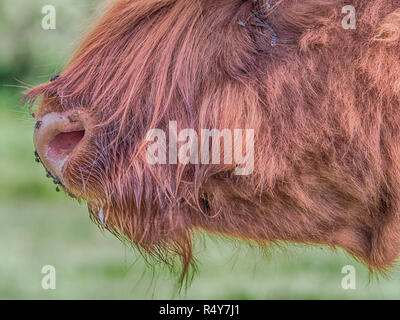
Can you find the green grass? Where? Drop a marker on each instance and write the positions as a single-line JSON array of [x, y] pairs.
[[41, 227]]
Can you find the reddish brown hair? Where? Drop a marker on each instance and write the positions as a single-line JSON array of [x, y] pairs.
[[323, 101]]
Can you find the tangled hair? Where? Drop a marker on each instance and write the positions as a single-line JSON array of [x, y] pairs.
[[323, 102]]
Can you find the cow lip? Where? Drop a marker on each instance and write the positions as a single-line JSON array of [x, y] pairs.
[[57, 137]]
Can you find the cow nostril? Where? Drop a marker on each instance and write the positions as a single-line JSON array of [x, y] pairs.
[[62, 145]]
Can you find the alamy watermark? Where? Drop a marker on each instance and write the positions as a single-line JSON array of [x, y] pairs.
[[189, 147], [349, 280], [49, 19], [349, 20], [49, 278]]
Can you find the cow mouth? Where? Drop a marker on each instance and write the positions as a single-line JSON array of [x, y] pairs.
[[58, 137], [64, 143]]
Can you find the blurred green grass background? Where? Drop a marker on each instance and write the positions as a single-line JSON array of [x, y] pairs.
[[40, 227]]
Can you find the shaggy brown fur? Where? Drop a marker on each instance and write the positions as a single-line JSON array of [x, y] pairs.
[[323, 101]]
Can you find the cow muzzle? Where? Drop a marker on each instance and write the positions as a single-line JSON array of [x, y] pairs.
[[58, 137]]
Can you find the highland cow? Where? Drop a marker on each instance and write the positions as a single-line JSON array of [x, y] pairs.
[[323, 102]]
